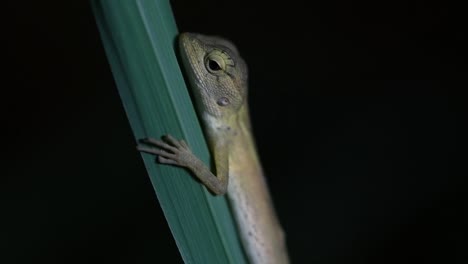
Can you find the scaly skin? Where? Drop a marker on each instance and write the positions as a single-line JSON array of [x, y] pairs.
[[218, 76]]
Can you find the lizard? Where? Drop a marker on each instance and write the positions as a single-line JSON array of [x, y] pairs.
[[218, 77]]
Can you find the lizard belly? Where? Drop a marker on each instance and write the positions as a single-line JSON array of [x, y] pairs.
[[260, 231]]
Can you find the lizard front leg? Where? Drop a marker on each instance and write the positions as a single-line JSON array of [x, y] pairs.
[[178, 153]]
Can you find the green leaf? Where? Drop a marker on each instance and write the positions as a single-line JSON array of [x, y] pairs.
[[139, 38]]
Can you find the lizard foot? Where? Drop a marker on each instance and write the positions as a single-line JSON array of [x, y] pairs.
[[169, 150]]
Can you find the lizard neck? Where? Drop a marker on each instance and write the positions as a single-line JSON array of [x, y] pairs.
[[232, 138], [233, 132], [234, 135]]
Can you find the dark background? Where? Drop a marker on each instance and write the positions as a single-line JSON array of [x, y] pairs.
[[357, 112]]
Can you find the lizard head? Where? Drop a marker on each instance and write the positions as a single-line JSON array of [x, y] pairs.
[[217, 74]]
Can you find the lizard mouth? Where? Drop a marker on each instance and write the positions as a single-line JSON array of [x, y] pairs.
[[187, 43]]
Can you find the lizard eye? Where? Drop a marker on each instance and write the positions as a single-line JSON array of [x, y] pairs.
[[218, 62], [215, 63]]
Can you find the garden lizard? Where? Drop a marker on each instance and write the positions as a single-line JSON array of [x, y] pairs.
[[218, 76]]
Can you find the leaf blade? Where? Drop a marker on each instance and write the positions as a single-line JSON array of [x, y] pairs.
[[139, 38]]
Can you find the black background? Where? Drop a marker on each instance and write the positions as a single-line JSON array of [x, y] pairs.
[[356, 108]]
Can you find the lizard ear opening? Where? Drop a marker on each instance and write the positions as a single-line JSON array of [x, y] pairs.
[[223, 101]]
